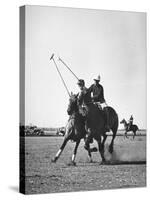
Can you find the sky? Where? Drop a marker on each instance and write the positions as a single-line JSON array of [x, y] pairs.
[[91, 42]]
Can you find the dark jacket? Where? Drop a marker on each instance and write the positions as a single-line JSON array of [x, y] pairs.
[[84, 97], [131, 120], [98, 93]]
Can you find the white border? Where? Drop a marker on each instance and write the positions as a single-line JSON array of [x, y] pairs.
[[9, 100]]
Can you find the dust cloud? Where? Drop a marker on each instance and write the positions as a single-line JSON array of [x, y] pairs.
[[121, 154]]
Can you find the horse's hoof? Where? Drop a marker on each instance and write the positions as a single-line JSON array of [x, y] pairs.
[[53, 160]]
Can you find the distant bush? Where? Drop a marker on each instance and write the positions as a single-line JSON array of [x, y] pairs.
[[31, 131]]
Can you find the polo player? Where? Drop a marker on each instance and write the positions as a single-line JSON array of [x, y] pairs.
[[130, 122], [84, 98], [97, 92]]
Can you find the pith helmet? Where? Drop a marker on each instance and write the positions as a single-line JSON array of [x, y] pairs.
[[98, 78], [81, 82]]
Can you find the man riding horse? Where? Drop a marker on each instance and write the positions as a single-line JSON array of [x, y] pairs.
[[91, 121], [130, 122], [84, 99], [87, 119], [98, 98]]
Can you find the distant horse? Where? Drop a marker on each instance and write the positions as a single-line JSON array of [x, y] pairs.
[[74, 131], [95, 123], [132, 128]]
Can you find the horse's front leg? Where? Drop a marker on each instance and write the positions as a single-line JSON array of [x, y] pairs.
[[60, 150], [90, 156], [125, 135], [75, 152], [111, 146]]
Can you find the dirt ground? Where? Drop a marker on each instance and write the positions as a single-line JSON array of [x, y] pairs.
[[42, 176]]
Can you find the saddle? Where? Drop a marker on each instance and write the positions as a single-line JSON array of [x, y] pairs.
[[129, 126]]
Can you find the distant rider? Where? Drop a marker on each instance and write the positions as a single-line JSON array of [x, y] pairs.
[[130, 122]]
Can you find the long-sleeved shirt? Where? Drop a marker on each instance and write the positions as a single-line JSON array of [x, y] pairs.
[[98, 93], [84, 97]]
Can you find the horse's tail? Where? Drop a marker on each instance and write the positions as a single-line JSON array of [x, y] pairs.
[[113, 118], [137, 128]]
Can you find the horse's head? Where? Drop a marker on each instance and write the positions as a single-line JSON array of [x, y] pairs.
[[72, 107], [123, 121]]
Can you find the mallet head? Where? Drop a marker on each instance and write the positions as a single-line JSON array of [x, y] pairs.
[[52, 56]]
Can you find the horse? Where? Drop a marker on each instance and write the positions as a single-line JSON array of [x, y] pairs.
[[74, 131], [95, 123], [96, 126], [133, 128]]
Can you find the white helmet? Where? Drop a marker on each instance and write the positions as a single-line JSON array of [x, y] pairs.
[[98, 78]]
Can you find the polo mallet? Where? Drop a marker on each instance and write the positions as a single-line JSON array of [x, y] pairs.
[[52, 58], [68, 68]]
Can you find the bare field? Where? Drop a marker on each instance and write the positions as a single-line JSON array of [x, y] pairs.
[[42, 176]]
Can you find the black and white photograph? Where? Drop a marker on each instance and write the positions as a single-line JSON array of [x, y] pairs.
[[83, 99]]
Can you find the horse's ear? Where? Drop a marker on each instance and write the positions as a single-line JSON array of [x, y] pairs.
[[71, 93], [77, 95]]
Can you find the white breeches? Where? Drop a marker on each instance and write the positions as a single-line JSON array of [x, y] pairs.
[[101, 105]]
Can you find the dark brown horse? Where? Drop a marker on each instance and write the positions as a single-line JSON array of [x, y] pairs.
[[132, 127], [95, 123]]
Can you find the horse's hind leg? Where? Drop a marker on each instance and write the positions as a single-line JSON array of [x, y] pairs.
[[60, 150], [90, 156], [75, 152], [111, 146], [134, 134], [104, 139], [101, 150]]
